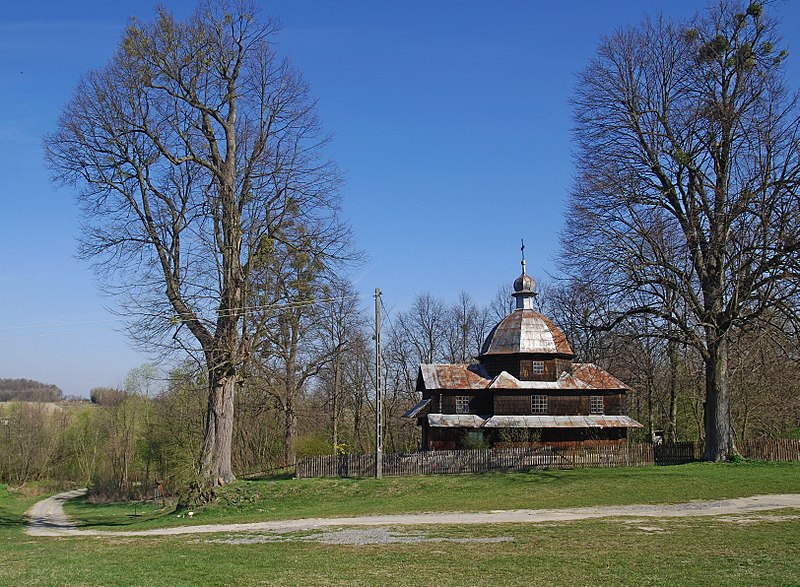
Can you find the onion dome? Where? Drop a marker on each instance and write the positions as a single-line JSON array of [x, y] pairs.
[[524, 284], [524, 287]]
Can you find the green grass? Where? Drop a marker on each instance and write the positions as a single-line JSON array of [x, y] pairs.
[[248, 501], [13, 506], [656, 552], [760, 549]]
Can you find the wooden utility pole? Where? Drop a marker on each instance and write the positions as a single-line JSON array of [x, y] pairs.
[[378, 399]]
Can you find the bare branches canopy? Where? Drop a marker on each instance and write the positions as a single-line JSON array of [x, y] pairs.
[[197, 154], [685, 208]]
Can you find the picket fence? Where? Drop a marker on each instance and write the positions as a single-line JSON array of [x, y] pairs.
[[527, 458], [771, 449], [501, 459]]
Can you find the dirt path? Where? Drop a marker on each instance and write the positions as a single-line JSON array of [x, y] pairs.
[[47, 517]]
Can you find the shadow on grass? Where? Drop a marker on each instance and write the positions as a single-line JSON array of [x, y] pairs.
[[84, 514], [277, 475], [8, 520], [526, 476], [114, 522]]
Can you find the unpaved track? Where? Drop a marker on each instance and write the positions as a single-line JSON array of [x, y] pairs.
[[47, 517]]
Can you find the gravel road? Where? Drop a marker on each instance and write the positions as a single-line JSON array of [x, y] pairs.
[[47, 517]]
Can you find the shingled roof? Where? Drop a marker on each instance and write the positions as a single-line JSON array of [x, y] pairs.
[[526, 331]]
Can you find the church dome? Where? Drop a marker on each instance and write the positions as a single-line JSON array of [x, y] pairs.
[[526, 331], [524, 284]]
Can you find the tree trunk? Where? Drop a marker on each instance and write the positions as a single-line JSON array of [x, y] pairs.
[[337, 377], [217, 443], [357, 426], [672, 421], [718, 427], [290, 394], [290, 422], [650, 431]]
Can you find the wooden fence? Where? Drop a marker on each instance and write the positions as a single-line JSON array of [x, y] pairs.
[[541, 457], [767, 449], [504, 459]]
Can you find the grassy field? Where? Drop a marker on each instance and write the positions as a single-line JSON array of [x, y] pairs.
[[757, 549], [275, 499]]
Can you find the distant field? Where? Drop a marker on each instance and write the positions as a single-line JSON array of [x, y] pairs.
[[47, 407], [757, 549]]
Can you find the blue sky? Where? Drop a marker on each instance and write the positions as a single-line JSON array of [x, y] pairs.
[[451, 120]]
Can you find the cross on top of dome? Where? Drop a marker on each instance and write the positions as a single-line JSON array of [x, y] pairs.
[[524, 287]]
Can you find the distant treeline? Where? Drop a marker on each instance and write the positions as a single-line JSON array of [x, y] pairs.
[[27, 390]]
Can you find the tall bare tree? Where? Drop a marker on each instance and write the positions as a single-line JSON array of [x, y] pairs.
[[466, 326], [686, 196], [578, 309], [765, 387], [291, 330], [193, 146], [424, 327], [343, 329]]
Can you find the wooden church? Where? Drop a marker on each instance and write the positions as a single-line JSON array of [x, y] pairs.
[[523, 389]]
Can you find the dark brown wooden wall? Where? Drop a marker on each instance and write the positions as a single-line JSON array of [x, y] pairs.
[[518, 404], [480, 402], [453, 438], [517, 365]]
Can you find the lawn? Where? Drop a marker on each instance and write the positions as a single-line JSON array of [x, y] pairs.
[[276, 499], [757, 549]]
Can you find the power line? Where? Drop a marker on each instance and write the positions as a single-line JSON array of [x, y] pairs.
[[227, 312], [282, 305], [49, 334], [55, 324]]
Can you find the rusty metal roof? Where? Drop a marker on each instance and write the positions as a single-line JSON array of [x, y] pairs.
[[457, 376], [595, 377], [582, 376], [473, 421], [526, 331], [565, 381], [505, 381], [455, 421], [593, 421]]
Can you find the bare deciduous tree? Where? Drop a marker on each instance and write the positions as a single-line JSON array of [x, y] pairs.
[[343, 330], [688, 171], [191, 149], [578, 309], [466, 326], [423, 326]]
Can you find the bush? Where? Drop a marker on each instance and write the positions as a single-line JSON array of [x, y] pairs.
[[313, 444]]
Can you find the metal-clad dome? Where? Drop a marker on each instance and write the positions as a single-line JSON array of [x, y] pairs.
[[524, 284], [526, 331]]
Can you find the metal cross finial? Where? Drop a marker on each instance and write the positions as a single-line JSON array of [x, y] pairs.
[[522, 248]]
